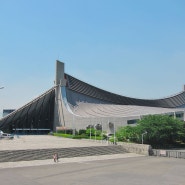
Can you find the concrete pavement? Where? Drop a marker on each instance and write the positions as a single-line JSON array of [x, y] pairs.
[[46, 141], [122, 171], [66, 160], [118, 169], [23, 142]]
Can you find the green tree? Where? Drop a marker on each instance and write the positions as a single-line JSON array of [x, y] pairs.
[[127, 133], [90, 131], [161, 129]]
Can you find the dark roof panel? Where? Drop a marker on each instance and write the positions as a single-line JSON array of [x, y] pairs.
[[89, 90]]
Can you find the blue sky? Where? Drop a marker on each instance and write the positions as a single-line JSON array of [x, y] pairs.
[[134, 48]]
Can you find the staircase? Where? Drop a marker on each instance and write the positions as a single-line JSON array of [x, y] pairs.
[[42, 154]]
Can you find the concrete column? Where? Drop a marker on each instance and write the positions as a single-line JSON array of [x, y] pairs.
[[58, 109], [59, 76]]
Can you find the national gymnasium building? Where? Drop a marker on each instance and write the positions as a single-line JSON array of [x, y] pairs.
[[75, 104]]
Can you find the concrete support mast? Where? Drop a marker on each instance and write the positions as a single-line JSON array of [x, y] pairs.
[[58, 109]]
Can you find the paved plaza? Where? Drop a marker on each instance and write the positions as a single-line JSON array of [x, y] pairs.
[[22, 142], [46, 141], [122, 171], [118, 169]]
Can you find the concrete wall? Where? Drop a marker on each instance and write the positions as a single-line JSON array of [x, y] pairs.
[[136, 148], [81, 122]]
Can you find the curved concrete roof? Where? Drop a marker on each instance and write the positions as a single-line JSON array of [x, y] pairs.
[[79, 86]]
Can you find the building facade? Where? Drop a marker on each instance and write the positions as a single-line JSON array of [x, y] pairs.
[[74, 104]]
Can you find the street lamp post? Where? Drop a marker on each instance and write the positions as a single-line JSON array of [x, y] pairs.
[[102, 133], [90, 132], [95, 135], [143, 135], [73, 125], [74, 121], [114, 134], [1, 88]]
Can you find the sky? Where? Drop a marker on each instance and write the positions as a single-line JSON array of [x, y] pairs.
[[134, 48]]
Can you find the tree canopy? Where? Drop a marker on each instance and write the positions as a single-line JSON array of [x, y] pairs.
[[161, 130]]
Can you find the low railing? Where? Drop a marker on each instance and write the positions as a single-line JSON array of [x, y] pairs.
[[169, 153]]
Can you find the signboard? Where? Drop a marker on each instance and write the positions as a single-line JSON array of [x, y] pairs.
[[163, 152]]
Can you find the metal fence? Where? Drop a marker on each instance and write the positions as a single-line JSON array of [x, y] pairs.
[[169, 153]]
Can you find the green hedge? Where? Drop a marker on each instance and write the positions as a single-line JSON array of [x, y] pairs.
[[82, 136]]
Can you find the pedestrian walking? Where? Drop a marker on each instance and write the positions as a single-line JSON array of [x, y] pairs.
[[54, 158]]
